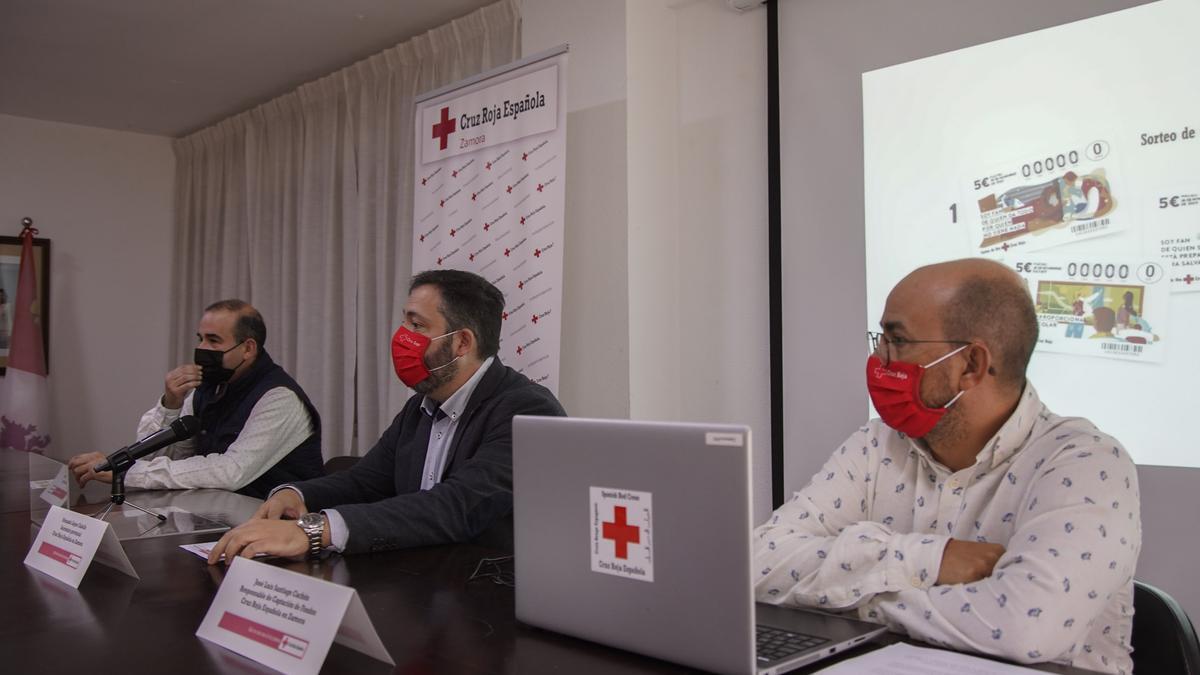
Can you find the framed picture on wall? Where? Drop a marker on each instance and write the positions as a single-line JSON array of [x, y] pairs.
[[10, 266]]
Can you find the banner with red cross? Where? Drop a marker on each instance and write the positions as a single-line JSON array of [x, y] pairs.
[[621, 532], [489, 199]]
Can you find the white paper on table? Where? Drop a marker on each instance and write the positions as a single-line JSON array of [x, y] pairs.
[[905, 659], [203, 548]]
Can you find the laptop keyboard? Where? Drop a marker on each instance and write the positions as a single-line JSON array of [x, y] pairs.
[[773, 644]]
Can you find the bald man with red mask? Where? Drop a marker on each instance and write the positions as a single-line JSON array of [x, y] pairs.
[[968, 515]]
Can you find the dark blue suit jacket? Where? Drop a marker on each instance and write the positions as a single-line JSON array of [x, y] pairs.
[[381, 499]]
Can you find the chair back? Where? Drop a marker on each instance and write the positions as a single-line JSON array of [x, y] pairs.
[[1164, 640], [340, 463]]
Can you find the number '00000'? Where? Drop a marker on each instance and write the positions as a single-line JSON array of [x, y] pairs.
[[1098, 270]]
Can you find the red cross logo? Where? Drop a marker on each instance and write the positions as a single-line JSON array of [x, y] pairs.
[[537, 252], [506, 252], [488, 166], [539, 187], [473, 195], [524, 156], [510, 189], [452, 231], [520, 285], [454, 173], [442, 203], [504, 316], [422, 237], [522, 220], [471, 257], [520, 349], [622, 533], [1189, 279], [423, 180], [487, 226], [535, 318], [439, 261], [444, 128]]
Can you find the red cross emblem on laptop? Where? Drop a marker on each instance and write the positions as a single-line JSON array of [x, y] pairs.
[[622, 533], [444, 128]]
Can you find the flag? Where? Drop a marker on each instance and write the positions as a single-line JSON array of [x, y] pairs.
[[24, 391]]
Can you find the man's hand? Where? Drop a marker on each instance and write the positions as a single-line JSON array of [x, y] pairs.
[[179, 382], [273, 537], [286, 503], [81, 468], [966, 561]]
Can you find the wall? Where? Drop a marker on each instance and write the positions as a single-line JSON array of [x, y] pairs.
[[103, 198], [717, 356], [594, 373], [666, 270], [825, 47]]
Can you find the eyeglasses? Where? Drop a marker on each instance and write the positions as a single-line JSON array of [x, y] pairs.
[[499, 570], [885, 355]]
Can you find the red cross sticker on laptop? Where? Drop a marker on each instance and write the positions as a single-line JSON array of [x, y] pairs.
[[621, 533], [621, 529]]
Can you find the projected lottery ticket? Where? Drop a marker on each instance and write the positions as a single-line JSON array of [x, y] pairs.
[[1172, 232], [1106, 308], [1058, 197]]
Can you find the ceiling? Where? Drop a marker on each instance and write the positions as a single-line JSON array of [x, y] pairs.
[[169, 67]]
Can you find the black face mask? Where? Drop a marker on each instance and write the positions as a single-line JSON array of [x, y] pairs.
[[212, 364]]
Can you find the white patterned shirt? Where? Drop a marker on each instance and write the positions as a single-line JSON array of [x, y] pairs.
[[868, 532]]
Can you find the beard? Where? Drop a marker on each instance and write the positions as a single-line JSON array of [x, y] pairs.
[[951, 427], [443, 356]]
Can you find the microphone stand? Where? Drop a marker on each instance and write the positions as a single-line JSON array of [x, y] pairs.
[[120, 466]]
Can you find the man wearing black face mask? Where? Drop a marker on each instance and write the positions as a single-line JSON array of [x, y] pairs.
[[442, 472], [257, 427]]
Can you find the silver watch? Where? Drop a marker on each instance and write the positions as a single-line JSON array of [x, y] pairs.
[[313, 525]]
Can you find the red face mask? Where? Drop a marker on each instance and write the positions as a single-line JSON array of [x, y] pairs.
[[408, 355], [896, 394]]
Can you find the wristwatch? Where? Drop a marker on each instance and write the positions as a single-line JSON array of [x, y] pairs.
[[313, 525]]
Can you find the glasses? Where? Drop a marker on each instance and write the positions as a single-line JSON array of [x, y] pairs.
[[499, 570], [877, 339]]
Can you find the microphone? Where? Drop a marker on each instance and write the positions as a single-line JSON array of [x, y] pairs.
[[180, 430]]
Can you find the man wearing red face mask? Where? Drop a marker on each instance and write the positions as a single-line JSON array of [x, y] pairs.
[[442, 472], [969, 515]]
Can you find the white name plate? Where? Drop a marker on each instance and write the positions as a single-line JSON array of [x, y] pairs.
[[68, 542], [58, 491], [287, 621]]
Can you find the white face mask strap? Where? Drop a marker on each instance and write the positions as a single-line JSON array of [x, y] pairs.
[[446, 364], [956, 397], [451, 360], [945, 356]]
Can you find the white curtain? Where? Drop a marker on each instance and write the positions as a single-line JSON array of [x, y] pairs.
[[303, 207]]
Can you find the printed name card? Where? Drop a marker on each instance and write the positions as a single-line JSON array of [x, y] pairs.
[[68, 542], [287, 621], [58, 491]]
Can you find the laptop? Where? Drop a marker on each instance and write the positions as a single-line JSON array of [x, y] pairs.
[[637, 535]]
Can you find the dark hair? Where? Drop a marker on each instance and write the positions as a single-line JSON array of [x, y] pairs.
[[249, 322], [468, 301], [1000, 312]]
